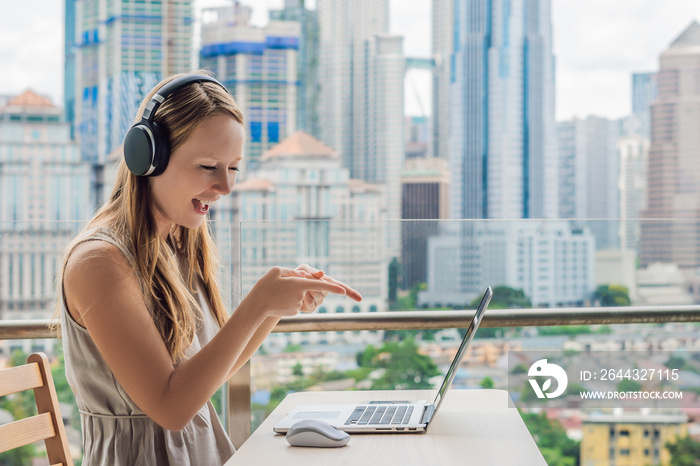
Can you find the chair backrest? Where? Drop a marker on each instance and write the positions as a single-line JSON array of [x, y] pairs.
[[48, 424]]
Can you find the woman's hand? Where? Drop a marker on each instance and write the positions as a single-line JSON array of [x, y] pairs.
[[313, 299], [283, 292]]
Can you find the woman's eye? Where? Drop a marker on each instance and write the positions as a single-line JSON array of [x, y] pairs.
[[207, 167], [234, 169]]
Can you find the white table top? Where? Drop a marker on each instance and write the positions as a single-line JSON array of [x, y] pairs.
[[473, 427]]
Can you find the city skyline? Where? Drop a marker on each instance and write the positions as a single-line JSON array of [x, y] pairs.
[[593, 76]]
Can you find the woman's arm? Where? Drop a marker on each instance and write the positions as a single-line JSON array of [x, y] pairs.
[[103, 294], [311, 301]]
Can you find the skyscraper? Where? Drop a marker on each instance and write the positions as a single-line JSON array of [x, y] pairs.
[[123, 49], [588, 175], [361, 101], [307, 63], [258, 65], [346, 30], [502, 138], [674, 171]]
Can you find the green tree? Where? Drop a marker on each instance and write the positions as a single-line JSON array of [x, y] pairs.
[[556, 447], [486, 382], [404, 367], [298, 370], [292, 348], [612, 295], [574, 389], [684, 451], [394, 274], [628, 385], [675, 362]]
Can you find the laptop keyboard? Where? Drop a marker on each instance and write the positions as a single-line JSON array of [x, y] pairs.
[[377, 414]]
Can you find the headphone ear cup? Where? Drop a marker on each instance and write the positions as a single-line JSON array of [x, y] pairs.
[[138, 147], [161, 143]]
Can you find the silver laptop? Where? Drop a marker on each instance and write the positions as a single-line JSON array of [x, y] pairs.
[[387, 416]]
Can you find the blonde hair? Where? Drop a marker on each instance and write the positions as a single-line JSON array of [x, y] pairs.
[[130, 211]]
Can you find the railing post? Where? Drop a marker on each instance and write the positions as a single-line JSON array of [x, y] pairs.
[[239, 406]]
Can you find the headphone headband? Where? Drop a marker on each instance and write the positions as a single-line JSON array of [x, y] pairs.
[[146, 144], [176, 84]]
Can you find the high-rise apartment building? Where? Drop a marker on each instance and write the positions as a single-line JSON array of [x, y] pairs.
[[361, 99], [346, 30], [258, 65], [673, 190], [123, 49], [44, 191], [307, 63], [589, 176], [502, 136]]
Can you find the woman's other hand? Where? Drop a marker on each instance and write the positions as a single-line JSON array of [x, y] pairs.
[[283, 292], [313, 299]]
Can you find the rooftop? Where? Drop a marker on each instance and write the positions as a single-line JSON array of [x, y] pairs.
[[300, 144], [29, 99], [689, 37], [254, 185]]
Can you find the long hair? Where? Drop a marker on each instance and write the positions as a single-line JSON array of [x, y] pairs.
[[169, 268]]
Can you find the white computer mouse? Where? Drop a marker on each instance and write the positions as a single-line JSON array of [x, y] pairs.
[[315, 433]]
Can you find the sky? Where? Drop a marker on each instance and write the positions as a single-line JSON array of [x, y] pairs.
[[597, 45]]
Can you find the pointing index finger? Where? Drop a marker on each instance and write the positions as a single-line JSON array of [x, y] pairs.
[[319, 285], [352, 293]]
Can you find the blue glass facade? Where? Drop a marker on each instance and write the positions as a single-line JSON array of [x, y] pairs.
[[502, 142], [259, 74], [121, 50]]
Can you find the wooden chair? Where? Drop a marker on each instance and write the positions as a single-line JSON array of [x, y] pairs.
[[48, 424]]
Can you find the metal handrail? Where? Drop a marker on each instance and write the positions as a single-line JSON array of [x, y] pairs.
[[238, 389], [422, 319]]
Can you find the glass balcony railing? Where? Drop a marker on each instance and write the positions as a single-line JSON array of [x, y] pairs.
[[558, 283]]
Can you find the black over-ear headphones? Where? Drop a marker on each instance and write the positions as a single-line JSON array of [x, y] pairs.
[[146, 144]]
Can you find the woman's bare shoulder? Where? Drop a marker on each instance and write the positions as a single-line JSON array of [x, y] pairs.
[[92, 253], [94, 271], [96, 265]]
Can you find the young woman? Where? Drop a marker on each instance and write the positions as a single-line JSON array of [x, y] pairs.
[[146, 337]]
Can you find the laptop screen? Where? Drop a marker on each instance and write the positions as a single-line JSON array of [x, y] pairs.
[[463, 347]]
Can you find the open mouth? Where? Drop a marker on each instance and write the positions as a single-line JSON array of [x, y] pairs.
[[201, 206]]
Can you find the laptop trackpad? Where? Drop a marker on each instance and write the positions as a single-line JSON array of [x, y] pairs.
[[316, 415]]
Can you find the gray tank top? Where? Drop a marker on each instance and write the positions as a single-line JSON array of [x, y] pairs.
[[115, 430]]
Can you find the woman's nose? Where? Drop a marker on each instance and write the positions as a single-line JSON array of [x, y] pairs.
[[224, 182]]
